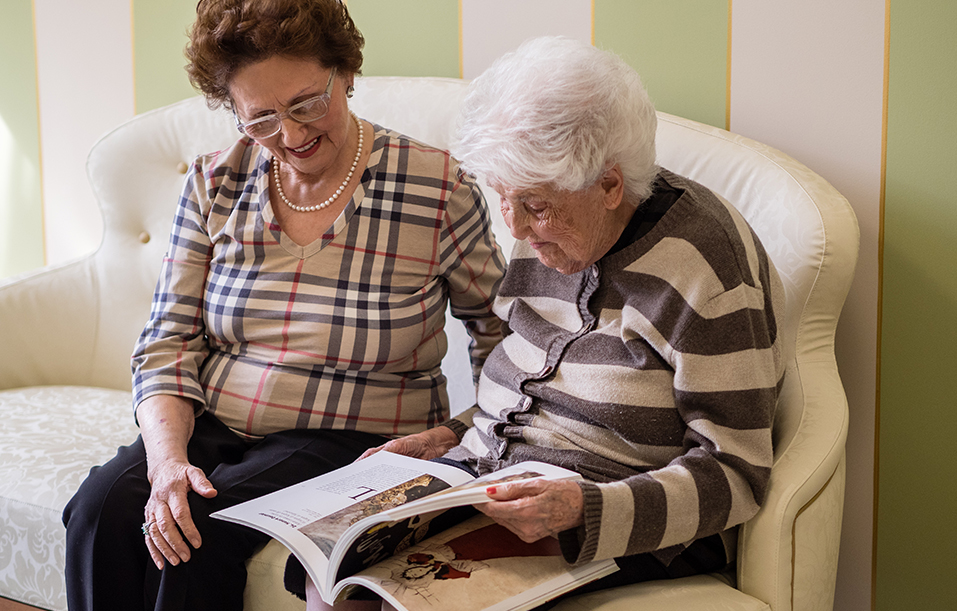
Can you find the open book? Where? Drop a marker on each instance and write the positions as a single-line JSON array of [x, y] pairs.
[[404, 528]]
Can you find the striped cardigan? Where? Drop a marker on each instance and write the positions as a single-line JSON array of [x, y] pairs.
[[654, 373]]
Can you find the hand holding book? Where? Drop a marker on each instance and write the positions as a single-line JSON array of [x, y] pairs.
[[530, 509], [534, 509]]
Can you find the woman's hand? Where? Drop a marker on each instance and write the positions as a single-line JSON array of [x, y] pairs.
[[166, 425], [535, 509], [426, 445], [167, 510]]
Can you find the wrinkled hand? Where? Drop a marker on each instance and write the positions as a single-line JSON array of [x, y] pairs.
[[425, 445], [535, 509], [168, 510]]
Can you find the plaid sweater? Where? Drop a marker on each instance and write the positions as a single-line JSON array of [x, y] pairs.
[[343, 333], [654, 373]]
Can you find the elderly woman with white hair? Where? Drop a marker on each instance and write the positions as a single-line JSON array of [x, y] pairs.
[[643, 318]]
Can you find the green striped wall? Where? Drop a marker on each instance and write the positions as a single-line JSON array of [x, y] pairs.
[[159, 37], [679, 47], [21, 213], [685, 69], [917, 494], [409, 37]]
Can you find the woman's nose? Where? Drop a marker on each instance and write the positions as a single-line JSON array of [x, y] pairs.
[[516, 218], [519, 226], [291, 129]]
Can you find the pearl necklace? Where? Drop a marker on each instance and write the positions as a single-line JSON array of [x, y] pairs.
[[335, 196]]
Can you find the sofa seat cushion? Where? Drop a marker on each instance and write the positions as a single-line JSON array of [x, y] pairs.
[[50, 436], [264, 581], [701, 592]]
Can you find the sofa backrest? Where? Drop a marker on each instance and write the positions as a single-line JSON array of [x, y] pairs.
[[137, 171]]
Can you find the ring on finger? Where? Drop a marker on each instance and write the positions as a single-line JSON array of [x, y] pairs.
[[146, 527]]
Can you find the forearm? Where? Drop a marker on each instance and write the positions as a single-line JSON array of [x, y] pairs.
[[442, 439], [426, 445], [166, 425]]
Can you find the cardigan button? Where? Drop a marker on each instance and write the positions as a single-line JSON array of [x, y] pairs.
[[182, 168], [144, 237]]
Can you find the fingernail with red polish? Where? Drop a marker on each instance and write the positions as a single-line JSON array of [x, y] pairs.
[[490, 490]]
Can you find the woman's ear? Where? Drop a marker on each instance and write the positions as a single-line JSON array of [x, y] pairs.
[[613, 186]]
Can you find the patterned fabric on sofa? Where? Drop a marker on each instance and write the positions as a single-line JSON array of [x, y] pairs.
[[49, 438]]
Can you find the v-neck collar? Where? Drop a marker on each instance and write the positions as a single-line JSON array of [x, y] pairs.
[[342, 221]]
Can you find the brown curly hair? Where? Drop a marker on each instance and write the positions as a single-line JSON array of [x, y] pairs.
[[231, 34]]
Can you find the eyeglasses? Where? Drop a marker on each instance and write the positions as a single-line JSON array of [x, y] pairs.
[[306, 111]]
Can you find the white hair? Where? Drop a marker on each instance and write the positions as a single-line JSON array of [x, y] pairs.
[[558, 112]]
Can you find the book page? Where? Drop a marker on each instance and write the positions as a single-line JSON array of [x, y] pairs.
[[474, 566], [387, 531], [310, 517]]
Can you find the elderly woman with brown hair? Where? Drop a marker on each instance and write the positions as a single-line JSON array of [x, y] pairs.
[[298, 319], [643, 313]]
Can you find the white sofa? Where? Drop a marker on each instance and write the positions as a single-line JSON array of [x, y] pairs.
[[66, 333]]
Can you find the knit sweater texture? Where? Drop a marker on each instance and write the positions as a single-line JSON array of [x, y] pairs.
[[654, 373]]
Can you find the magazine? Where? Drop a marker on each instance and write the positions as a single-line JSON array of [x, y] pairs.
[[405, 529]]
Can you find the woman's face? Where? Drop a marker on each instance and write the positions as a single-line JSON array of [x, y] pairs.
[[569, 230], [272, 86]]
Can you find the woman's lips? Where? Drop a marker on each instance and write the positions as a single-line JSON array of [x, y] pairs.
[[306, 150]]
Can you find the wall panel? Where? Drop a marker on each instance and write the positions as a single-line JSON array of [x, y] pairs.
[[807, 78], [21, 215], [85, 74], [491, 28], [679, 47], [159, 38], [409, 37], [917, 533]]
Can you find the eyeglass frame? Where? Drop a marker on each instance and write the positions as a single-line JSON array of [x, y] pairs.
[[279, 116]]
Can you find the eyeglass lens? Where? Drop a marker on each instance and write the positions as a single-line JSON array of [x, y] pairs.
[[312, 109], [306, 111]]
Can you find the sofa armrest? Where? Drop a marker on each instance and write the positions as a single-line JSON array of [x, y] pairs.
[[50, 326], [810, 471]]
